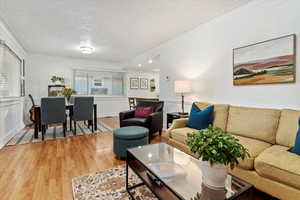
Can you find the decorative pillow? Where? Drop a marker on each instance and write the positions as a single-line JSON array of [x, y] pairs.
[[143, 112], [200, 119], [296, 148]]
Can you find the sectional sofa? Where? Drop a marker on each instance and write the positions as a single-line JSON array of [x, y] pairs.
[[268, 134]]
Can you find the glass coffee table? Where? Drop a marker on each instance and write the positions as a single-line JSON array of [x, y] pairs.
[[172, 174]]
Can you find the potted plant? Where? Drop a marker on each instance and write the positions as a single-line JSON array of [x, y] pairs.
[[56, 80], [217, 151], [67, 93]]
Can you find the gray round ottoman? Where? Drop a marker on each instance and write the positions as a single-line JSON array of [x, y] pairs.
[[128, 137]]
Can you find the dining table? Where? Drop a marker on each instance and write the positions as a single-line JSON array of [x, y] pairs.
[[69, 107]]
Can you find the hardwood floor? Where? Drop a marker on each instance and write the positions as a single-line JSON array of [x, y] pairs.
[[110, 121], [44, 170]]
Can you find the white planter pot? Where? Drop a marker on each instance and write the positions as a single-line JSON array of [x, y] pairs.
[[213, 176]]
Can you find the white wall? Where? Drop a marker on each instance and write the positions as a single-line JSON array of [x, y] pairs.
[[205, 56], [11, 117], [42, 67], [143, 93], [11, 41]]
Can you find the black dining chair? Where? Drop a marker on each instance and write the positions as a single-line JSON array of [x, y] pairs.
[[71, 102], [83, 111], [53, 111]]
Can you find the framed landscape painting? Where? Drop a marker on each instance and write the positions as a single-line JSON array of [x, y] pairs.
[[268, 62]]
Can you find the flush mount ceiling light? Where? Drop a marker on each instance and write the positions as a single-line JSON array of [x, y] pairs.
[[150, 60], [86, 49]]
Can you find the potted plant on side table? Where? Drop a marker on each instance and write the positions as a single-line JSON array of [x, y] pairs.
[[217, 151], [56, 80]]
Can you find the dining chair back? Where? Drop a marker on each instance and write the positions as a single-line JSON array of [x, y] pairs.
[[83, 108], [83, 111], [31, 99], [53, 110], [72, 100]]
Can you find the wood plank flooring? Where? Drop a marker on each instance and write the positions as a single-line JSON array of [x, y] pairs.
[[44, 170]]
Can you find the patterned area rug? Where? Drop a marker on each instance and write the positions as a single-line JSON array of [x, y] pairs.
[[109, 185], [55, 132]]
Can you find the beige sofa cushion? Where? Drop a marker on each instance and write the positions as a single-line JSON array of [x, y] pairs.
[[287, 128], [180, 134], [255, 147], [278, 164], [220, 113], [255, 123]]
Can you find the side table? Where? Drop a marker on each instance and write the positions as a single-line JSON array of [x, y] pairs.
[[175, 115]]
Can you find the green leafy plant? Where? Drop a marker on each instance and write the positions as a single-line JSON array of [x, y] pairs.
[[57, 78], [67, 93], [217, 147]]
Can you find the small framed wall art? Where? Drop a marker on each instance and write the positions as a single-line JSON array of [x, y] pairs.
[[144, 83], [134, 83]]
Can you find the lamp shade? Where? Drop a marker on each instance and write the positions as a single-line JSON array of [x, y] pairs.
[[182, 86]]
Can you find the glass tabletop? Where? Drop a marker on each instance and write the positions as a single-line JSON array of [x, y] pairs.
[[181, 172]]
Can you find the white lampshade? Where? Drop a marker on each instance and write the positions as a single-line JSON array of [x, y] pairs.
[[182, 86]]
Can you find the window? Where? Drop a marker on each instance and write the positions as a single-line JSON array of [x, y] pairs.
[[10, 72], [99, 83]]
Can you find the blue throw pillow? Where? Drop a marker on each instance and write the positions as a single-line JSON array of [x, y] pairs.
[[296, 148], [200, 119]]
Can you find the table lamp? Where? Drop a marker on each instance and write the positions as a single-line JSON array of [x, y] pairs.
[[182, 87]]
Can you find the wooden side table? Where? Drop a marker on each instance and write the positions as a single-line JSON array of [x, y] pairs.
[[175, 115]]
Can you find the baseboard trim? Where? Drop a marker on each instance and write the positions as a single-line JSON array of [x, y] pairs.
[[107, 114], [8, 137]]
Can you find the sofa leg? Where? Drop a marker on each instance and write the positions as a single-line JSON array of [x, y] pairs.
[[160, 132]]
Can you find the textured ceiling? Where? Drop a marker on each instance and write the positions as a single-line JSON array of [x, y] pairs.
[[118, 29]]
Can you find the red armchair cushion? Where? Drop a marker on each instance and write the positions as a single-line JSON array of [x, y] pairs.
[[143, 111]]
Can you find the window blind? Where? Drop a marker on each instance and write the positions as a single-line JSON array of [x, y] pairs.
[[10, 72]]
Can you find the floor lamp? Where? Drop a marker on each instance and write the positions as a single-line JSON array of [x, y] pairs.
[[182, 87]]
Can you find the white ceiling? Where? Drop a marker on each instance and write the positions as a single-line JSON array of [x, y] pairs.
[[118, 29]]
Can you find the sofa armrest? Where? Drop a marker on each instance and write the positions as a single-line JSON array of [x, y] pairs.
[[126, 115], [155, 121], [155, 114], [177, 123], [156, 117]]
